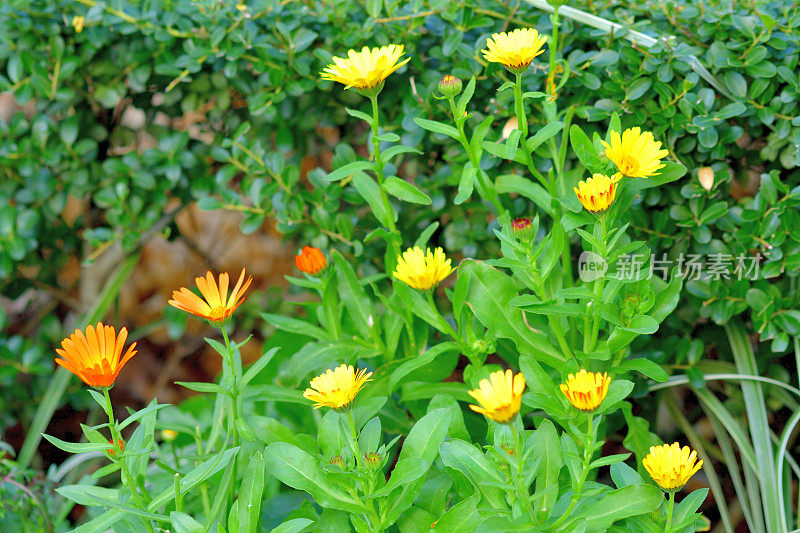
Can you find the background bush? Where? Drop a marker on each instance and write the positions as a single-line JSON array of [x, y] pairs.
[[150, 109]]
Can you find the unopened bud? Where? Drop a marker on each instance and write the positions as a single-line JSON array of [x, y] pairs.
[[450, 86], [168, 435], [706, 177], [522, 229], [337, 460], [373, 460], [511, 125]]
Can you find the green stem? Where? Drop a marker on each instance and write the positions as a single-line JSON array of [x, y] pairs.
[[376, 143], [522, 489], [522, 126], [486, 188], [234, 405], [587, 457], [668, 525], [356, 451], [115, 440], [599, 285]]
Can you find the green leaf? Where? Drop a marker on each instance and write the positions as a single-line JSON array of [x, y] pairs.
[[202, 386], [547, 455], [623, 475], [646, 367], [294, 525], [405, 191], [404, 472], [429, 356], [462, 517], [197, 475], [257, 367], [353, 295], [349, 170], [489, 296], [371, 193], [183, 523], [512, 143], [76, 447], [545, 132], [466, 96], [360, 115], [514, 183], [465, 457], [394, 151], [617, 391], [251, 493], [609, 460], [138, 415], [87, 495], [296, 326], [643, 325], [466, 184], [437, 127], [585, 150], [628, 501], [299, 470], [688, 506]]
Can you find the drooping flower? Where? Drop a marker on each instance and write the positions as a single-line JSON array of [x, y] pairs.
[[671, 466], [310, 260], [96, 356], [78, 22], [597, 193], [514, 50], [500, 396], [366, 69], [586, 390], [215, 305], [636, 154], [422, 270], [337, 388]]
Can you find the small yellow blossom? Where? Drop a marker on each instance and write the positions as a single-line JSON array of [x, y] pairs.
[[514, 50], [500, 396], [422, 270], [586, 390], [597, 193], [636, 154], [78, 23], [671, 466], [366, 69], [337, 388]]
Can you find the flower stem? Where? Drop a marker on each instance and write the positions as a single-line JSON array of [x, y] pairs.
[[522, 488], [599, 285], [376, 143], [234, 397], [587, 457], [522, 126], [356, 452], [668, 525], [486, 189], [115, 440]]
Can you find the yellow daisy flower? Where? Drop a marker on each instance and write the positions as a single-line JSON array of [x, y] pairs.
[[337, 388], [422, 270], [78, 23], [636, 154], [366, 69], [514, 50], [597, 193], [671, 466], [586, 390], [500, 396]]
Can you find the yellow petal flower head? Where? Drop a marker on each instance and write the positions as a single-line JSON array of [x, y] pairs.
[[500, 396], [96, 356], [636, 154], [671, 466], [337, 388], [366, 69], [597, 193], [586, 390], [215, 305], [514, 50], [422, 270]]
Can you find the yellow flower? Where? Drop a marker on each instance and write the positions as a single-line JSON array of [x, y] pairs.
[[422, 270], [77, 23], [365, 69], [215, 305], [671, 466], [514, 50], [337, 388], [636, 154], [586, 390], [500, 396], [597, 193]]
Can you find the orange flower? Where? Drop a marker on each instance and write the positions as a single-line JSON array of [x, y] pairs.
[[96, 356], [215, 305], [120, 445], [311, 261]]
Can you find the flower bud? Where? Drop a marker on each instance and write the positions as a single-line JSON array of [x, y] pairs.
[[522, 229], [705, 175], [337, 460], [372, 460], [168, 435], [450, 86]]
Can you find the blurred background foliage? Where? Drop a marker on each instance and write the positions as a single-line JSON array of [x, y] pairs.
[[169, 137]]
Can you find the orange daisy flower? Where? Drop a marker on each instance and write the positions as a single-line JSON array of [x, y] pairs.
[[215, 305], [310, 260], [95, 357]]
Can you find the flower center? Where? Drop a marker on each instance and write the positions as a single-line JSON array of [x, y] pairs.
[[628, 165], [217, 313]]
